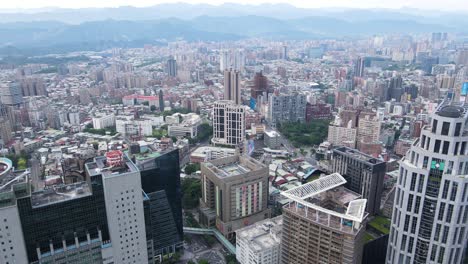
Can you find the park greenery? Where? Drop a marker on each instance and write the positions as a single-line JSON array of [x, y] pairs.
[[191, 193], [305, 134], [19, 161], [103, 131], [191, 168]]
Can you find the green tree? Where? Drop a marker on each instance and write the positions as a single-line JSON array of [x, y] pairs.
[[191, 193], [203, 261], [191, 168], [153, 108], [22, 163]]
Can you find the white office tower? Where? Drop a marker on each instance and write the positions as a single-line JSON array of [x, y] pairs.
[[124, 207], [430, 215], [228, 123], [234, 59]]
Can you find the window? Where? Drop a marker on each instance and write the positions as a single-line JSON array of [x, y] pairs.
[[437, 232], [425, 162], [410, 203], [421, 183], [441, 211], [440, 259], [445, 148], [417, 204], [457, 129], [437, 146], [410, 245], [413, 225], [413, 181], [445, 128], [455, 150], [434, 126], [453, 193], [403, 243], [463, 146], [445, 234], [433, 252], [445, 189], [407, 218], [448, 218]]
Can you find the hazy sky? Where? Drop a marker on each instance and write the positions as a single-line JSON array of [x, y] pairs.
[[422, 4]]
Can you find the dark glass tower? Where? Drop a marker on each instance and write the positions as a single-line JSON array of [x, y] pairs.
[[160, 180], [54, 218]]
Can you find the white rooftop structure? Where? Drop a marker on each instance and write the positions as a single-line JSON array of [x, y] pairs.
[[310, 196]]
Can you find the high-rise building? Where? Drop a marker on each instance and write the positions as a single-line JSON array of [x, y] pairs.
[[430, 214], [160, 180], [232, 86], [363, 173], [259, 85], [161, 100], [234, 193], [368, 128], [171, 67], [342, 136], [359, 66], [228, 123], [323, 223], [121, 213], [395, 89], [286, 108], [10, 94], [260, 242], [224, 61], [123, 206]]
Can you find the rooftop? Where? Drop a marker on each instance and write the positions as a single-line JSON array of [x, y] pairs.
[[262, 235], [327, 202], [102, 166], [233, 166], [356, 154], [452, 109], [60, 193]]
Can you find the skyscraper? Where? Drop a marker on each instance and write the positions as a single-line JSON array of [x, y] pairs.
[[363, 173], [231, 86], [161, 101], [228, 123], [359, 67], [171, 67], [235, 188], [160, 180], [259, 85], [430, 215], [323, 223]]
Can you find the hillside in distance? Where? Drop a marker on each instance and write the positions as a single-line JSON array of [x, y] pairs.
[[65, 30]]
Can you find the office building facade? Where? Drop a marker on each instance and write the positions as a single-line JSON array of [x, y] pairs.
[[363, 173], [430, 215], [228, 123], [323, 223], [235, 189]]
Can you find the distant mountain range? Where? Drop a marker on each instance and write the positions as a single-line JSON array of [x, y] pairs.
[[62, 30]]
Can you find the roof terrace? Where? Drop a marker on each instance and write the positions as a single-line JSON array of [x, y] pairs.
[[327, 202]]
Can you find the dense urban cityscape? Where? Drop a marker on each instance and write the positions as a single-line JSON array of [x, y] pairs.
[[257, 150]]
